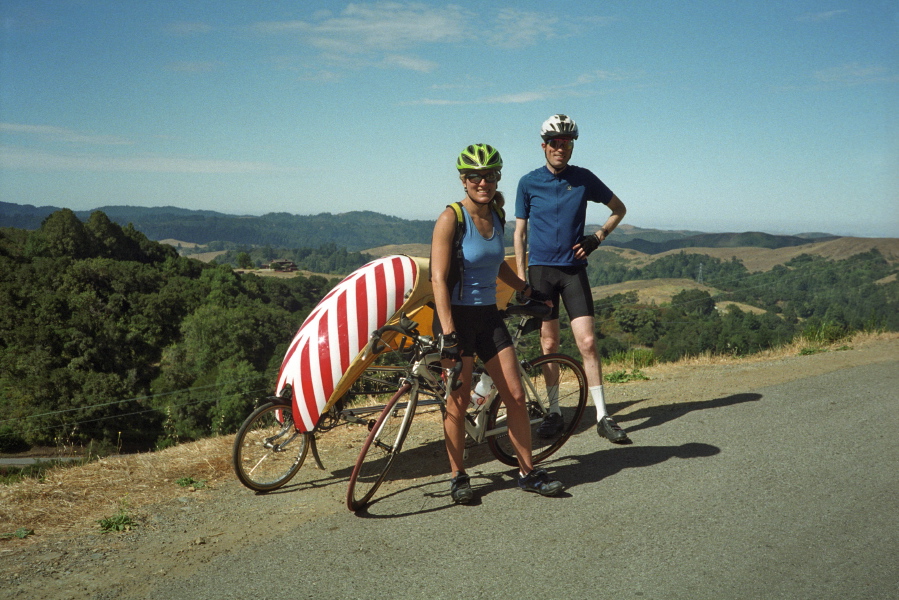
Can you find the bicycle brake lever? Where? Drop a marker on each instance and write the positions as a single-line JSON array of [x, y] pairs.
[[408, 324], [454, 381]]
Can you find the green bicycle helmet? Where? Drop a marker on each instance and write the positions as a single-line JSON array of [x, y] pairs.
[[478, 157]]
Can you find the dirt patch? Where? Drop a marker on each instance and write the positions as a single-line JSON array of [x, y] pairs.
[[176, 243], [287, 274], [407, 249]]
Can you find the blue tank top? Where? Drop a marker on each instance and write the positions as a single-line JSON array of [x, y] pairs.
[[482, 258]]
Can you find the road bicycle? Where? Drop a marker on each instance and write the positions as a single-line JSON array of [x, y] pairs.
[[552, 383]]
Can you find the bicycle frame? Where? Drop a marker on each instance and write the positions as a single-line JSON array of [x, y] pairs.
[[476, 426]]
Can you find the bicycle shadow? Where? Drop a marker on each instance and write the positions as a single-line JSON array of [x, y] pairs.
[[659, 415], [428, 459]]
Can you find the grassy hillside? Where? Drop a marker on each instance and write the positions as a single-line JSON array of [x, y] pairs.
[[764, 259]]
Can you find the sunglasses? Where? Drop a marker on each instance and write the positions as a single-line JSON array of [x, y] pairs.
[[560, 144], [477, 177]]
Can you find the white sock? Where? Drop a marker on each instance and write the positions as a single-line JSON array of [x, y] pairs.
[[552, 393], [600, 401]]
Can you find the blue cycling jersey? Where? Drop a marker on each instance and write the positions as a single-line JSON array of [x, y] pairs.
[[556, 209]]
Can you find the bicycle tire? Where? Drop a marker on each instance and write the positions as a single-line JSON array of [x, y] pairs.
[[572, 401], [268, 450], [384, 442]]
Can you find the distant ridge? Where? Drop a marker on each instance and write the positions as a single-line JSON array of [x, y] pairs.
[[359, 230], [353, 230], [752, 239]]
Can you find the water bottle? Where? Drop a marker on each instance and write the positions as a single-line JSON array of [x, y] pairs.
[[482, 392]]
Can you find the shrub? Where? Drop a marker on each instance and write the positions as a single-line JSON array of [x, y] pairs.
[[11, 441]]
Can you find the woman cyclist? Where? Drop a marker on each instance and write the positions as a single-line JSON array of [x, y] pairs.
[[468, 320]]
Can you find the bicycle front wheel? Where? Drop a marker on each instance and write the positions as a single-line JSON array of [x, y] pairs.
[[384, 442], [553, 384], [268, 449]]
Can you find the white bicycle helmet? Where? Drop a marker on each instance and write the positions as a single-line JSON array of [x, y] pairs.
[[558, 126]]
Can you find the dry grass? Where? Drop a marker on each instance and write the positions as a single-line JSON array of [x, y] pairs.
[[68, 497], [650, 291], [793, 349], [287, 274], [407, 249], [764, 259]]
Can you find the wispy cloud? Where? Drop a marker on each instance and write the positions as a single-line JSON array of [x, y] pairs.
[[375, 35], [581, 86], [817, 17], [60, 134], [519, 29], [188, 28], [18, 158], [386, 34], [852, 74], [410, 63], [382, 26], [600, 75], [193, 66], [520, 98]]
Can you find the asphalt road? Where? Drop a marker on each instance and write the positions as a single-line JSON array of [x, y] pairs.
[[787, 491]]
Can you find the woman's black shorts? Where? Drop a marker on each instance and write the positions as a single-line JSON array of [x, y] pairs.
[[481, 330]]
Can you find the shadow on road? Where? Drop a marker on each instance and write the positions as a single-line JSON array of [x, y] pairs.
[[428, 459], [601, 464], [659, 415], [573, 470]]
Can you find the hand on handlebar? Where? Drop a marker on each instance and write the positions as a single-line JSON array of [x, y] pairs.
[[449, 345], [538, 296], [449, 349], [535, 296]]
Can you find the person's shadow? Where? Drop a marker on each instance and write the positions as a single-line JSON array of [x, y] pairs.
[[599, 465], [573, 470], [659, 415]]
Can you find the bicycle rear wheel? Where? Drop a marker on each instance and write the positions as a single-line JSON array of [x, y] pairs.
[[384, 442], [268, 450], [539, 378]]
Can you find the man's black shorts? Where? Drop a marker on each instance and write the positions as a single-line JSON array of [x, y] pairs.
[[569, 283]]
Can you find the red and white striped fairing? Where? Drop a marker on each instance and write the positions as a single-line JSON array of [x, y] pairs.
[[337, 330]]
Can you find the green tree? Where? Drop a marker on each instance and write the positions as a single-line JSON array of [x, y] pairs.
[[244, 261]]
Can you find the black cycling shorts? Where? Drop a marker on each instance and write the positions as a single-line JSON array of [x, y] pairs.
[[481, 330], [569, 283]]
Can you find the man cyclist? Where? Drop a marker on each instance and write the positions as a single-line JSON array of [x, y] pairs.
[[552, 201]]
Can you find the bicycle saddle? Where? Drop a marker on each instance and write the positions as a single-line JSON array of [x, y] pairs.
[[531, 308]]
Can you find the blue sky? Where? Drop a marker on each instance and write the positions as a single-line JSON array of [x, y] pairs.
[[712, 116]]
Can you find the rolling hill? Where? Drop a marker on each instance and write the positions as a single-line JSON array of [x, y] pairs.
[[360, 230]]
